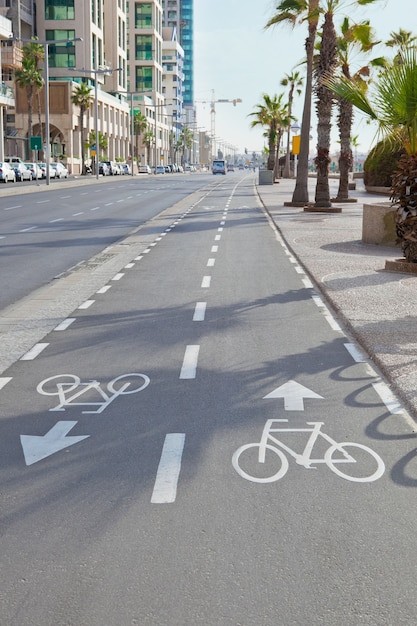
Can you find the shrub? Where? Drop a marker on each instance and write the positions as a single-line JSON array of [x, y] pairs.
[[381, 163]]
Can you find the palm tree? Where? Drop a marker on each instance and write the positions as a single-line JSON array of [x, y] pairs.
[[82, 97], [148, 141], [36, 52], [392, 103], [402, 39], [294, 12], [28, 77], [273, 115], [140, 124], [294, 81], [352, 39], [103, 142], [186, 140]]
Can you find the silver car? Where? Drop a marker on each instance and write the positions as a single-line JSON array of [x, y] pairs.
[[21, 172]]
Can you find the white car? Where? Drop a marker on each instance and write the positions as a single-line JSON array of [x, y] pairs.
[[60, 169], [35, 169], [145, 169], [52, 172], [7, 173]]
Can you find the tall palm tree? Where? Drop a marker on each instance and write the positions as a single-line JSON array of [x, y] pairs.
[[28, 77], [402, 39], [294, 12], [353, 39], [140, 124], [295, 82], [272, 113], [148, 141], [392, 103], [82, 97], [36, 52], [186, 140]]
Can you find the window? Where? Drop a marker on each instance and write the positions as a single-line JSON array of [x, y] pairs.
[[143, 47], [143, 79], [59, 10], [61, 55], [143, 15]]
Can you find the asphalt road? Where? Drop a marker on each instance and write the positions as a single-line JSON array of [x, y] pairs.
[[130, 493]]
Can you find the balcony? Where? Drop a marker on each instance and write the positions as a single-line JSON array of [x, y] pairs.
[[11, 55], [6, 95]]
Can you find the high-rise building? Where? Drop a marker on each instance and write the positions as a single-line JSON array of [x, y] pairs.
[[180, 14]]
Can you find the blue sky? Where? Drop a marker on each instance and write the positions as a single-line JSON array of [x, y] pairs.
[[236, 58]]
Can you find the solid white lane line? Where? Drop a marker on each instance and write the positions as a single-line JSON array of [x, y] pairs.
[[65, 324], [166, 482], [388, 398], [189, 364], [4, 381], [211, 262], [86, 304], [104, 289], [205, 284], [34, 352], [200, 312]]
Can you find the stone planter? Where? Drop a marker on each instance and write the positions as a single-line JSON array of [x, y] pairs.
[[378, 225]]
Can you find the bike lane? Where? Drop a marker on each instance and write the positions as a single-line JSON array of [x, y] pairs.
[[310, 548]]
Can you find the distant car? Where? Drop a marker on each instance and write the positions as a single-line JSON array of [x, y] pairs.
[[7, 173], [21, 172], [60, 169], [160, 169], [126, 168], [52, 172], [145, 169], [230, 167], [113, 168], [35, 170], [103, 169]]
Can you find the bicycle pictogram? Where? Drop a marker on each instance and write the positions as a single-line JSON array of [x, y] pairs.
[[70, 390], [371, 467]]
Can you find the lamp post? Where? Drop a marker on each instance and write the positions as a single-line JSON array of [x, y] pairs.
[[46, 43], [100, 70]]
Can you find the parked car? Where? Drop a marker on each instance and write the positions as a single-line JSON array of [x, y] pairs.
[[126, 168], [159, 169], [145, 169], [104, 169], [13, 159], [35, 170], [113, 167], [60, 169], [7, 173], [21, 171], [52, 172]]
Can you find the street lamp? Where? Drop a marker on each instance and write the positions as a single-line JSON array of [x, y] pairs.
[[46, 43], [101, 70]]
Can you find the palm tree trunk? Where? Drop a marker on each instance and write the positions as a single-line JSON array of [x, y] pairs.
[[345, 160]]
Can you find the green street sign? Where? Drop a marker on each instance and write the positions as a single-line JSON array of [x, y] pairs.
[[36, 143]]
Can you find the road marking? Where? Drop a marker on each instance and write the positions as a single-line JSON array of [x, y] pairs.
[[129, 266], [388, 398], [307, 283], [4, 381], [355, 353], [220, 230], [139, 258], [35, 447], [217, 238], [59, 219], [65, 324], [77, 214], [118, 276], [34, 352], [200, 312], [299, 269], [332, 322], [10, 208], [293, 394], [104, 289], [96, 208], [86, 304], [317, 300], [211, 262], [166, 482], [206, 282], [26, 230], [42, 201], [189, 364], [214, 248]]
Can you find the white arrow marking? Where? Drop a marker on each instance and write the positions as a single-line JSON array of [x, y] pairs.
[[293, 394], [36, 448]]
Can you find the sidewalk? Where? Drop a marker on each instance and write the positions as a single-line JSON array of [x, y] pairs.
[[379, 307]]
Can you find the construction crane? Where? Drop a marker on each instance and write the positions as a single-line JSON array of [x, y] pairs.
[[213, 103]]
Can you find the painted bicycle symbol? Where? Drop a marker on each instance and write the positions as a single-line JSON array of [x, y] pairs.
[[70, 390], [335, 456]]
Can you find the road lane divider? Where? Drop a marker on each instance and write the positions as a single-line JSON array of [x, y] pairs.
[[166, 482], [189, 364]]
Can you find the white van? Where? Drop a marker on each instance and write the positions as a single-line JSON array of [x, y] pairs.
[[218, 166]]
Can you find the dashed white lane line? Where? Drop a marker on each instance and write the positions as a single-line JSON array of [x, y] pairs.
[[96, 208], [217, 238], [4, 381], [34, 352], [65, 324], [214, 248], [388, 398], [58, 219], [166, 482], [26, 230], [211, 262], [332, 322], [77, 214], [104, 289], [200, 312], [205, 283], [86, 304], [118, 276], [307, 283], [189, 364], [355, 353], [10, 208], [42, 201]]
